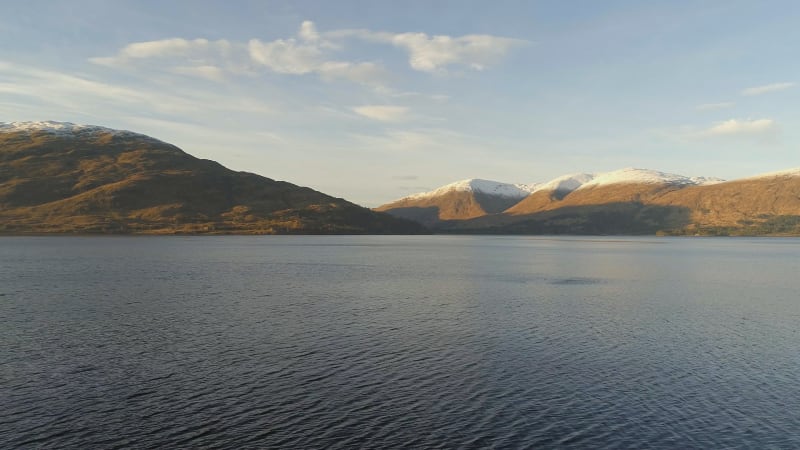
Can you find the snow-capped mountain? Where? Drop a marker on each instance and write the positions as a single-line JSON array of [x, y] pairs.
[[477, 197], [478, 186], [636, 201], [563, 184]]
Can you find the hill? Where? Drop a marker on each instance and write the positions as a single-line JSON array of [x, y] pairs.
[[63, 178]]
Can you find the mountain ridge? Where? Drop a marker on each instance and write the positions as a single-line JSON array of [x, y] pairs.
[[638, 201]]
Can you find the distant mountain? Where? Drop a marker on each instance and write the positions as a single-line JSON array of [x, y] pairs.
[[465, 199], [640, 201], [58, 177]]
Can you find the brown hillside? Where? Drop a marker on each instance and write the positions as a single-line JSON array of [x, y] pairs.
[[598, 195], [121, 182], [738, 203]]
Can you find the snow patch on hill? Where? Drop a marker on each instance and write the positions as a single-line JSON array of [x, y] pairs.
[[476, 185], [645, 176], [64, 129], [566, 183], [781, 173]]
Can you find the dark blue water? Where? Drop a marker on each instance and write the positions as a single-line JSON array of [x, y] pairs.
[[388, 342]]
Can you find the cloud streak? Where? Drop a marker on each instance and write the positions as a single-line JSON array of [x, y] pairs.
[[175, 48], [741, 128], [383, 113], [68, 91], [767, 88]]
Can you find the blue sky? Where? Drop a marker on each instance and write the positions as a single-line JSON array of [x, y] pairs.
[[375, 100]]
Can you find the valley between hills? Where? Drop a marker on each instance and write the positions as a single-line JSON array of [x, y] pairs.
[[57, 177]]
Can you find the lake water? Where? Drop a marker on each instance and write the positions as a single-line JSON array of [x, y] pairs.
[[388, 342]]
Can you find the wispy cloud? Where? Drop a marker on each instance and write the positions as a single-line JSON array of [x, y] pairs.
[[383, 113], [67, 91], [736, 127], [767, 88], [714, 106]]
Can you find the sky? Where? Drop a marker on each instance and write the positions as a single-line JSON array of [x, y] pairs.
[[375, 100]]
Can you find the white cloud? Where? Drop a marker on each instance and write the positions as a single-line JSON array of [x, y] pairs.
[[774, 87], [309, 55], [289, 57], [383, 113], [714, 106], [308, 31], [167, 48], [285, 56], [735, 127], [199, 58], [309, 52], [435, 53]]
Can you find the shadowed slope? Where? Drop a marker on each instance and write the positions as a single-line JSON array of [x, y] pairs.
[[617, 218]]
